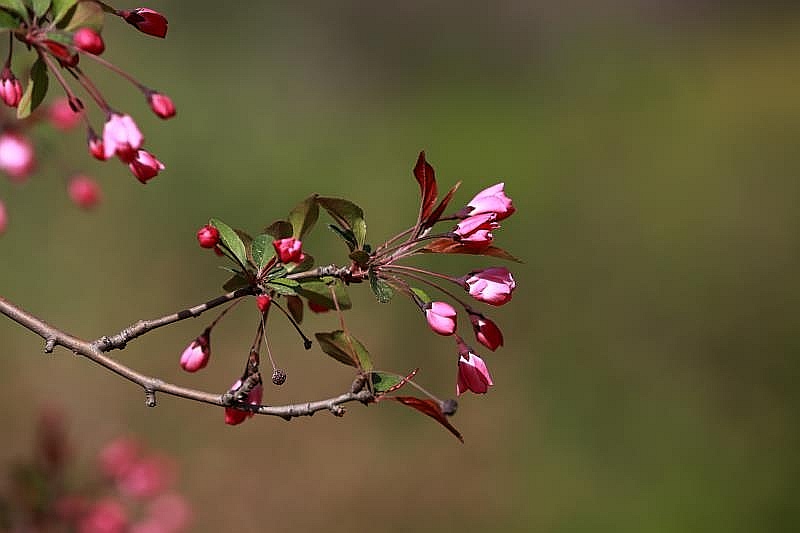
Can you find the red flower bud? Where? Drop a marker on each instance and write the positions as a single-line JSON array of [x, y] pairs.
[[441, 318], [486, 331], [10, 88], [96, 147], [161, 104], [289, 250], [89, 41], [145, 166], [208, 236], [235, 416], [84, 191], [263, 301], [146, 21]]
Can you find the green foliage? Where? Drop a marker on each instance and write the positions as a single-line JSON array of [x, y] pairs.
[[35, 91]]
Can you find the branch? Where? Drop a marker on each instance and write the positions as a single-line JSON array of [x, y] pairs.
[[92, 350]]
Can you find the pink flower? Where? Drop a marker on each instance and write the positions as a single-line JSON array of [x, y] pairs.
[[208, 236], [3, 218], [441, 318], [62, 116], [147, 477], [197, 354], [161, 105], [486, 331], [105, 516], [145, 166], [16, 156], [492, 200], [96, 147], [477, 230], [89, 41], [118, 456], [121, 137], [10, 88], [146, 21], [263, 301], [235, 416], [289, 250], [167, 513], [491, 285], [84, 191], [472, 374]]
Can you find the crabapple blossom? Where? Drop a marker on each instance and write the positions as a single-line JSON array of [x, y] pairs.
[[208, 236], [491, 285], [16, 155], [235, 416], [197, 354], [441, 318], [263, 301], [145, 166], [146, 21], [486, 331], [492, 200], [84, 191], [289, 250], [10, 88], [121, 137], [472, 374], [89, 41], [477, 229], [161, 105]]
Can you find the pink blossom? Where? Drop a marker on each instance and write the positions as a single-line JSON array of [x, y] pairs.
[[3, 218], [105, 516], [121, 137], [208, 236], [263, 301], [145, 166], [89, 41], [197, 354], [441, 318], [161, 105], [147, 477], [472, 374], [118, 456], [486, 331], [62, 116], [235, 416], [477, 230], [167, 513], [16, 156], [10, 88], [84, 191], [491, 285], [289, 250], [146, 21], [492, 200]]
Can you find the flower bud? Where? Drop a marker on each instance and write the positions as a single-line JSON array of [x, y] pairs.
[[145, 166], [441, 318], [161, 105], [3, 218], [490, 285], [146, 21], [147, 477], [472, 374], [107, 515], [235, 416], [62, 53], [84, 191], [10, 88], [208, 236], [95, 144], [477, 230], [492, 200], [197, 354], [486, 331], [289, 250], [118, 456], [89, 41], [121, 137], [16, 156], [62, 115], [263, 301]]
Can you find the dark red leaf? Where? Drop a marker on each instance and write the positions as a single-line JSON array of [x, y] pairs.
[[430, 408], [423, 171], [437, 212], [449, 246]]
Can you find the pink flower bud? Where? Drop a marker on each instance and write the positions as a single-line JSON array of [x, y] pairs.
[[197, 354], [118, 456], [441, 318], [96, 147], [235, 416], [492, 200], [477, 230], [263, 301], [3, 218], [289, 250], [317, 308], [486, 331], [10, 88], [105, 516], [147, 477], [168, 513], [62, 116], [472, 374], [208, 236], [84, 191], [145, 166], [161, 104], [89, 41], [491, 285], [121, 137], [146, 21], [16, 156]]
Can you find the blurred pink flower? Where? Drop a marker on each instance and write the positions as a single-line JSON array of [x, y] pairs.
[[62, 116], [105, 516], [17, 157]]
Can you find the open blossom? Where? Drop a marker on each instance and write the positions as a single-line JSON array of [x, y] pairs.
[[486, 331], [235, 416], [473, 375], [289, 250], [145, 166], [477, 230], [121, 137], [492, 200], [441, 318], [491, 285], [89, 41], [16, 156], [146, 21], [84, 191], [197, 354], [10, 88], [161, 105]]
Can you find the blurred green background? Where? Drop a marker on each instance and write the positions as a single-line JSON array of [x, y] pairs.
[[651, 149]]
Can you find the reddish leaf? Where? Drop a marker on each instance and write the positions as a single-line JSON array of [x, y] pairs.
[[430, 408], [423, 171], [433, 218], [449, 246]]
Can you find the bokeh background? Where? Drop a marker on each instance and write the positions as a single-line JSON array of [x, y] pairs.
[[648, 381]]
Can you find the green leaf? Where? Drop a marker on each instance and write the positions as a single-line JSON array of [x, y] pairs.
[[84, 14], [383, 381], [15, 6], [346, 235], [304, 216], [247, 240], [280, 229], [60, 8], [360, 257], [40, 7], [383, 291], [348, 215], [422, 295], [283, 286], [262, 250], [230, 239], [8, 21], [35, 91], [295, 306], [236, 282], [345, 349], [319, 292]]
